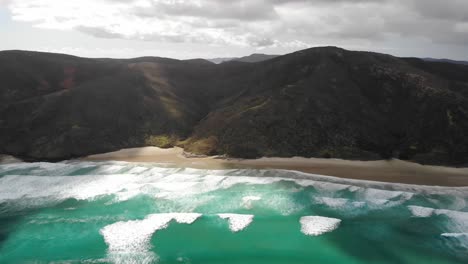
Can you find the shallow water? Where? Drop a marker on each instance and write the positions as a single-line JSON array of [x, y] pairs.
[[116, 212]]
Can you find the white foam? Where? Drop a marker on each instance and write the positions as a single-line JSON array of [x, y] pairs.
[[251, 198], [332, 202], [237, 222], [62, 187], [458, 220], [188, 218], [346, 206], [283, 203], [455, 235], [419, 211], [248, 200], [231, 181], [379, 199], [133, 237], [137, 170], [265, 176], [158, 182], [460, 238], [372, 193], [318, 225], [49, 181], [325, 186]]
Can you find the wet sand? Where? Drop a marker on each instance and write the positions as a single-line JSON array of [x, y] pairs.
[[394, 171]]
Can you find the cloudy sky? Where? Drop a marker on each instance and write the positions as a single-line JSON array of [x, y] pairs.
[[224, 28]]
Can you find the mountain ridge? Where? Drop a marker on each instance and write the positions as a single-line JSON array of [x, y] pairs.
[[319, 102], [252, 58], [446, 61]]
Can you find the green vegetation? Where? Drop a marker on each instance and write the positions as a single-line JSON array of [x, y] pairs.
[[321, 102], [204, 146], [162, 141]]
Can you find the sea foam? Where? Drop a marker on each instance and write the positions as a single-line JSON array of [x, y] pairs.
[[458, 220], [128, 238], [247, 201], [237, 222], [419, 211], [318, 225], [456, 235], [89, 180]]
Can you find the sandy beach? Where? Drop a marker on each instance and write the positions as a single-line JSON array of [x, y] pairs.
[[394, 171]]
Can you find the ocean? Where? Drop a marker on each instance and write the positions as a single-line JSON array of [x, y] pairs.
[[118, 212]]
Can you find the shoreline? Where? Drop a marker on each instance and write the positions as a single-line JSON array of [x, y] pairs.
[[391, 171]]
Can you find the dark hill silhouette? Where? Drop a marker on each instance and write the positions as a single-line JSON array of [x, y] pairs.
[[320, 102], [256, 57], [446, 61]]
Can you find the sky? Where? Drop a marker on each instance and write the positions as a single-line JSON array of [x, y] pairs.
[[186, 29]]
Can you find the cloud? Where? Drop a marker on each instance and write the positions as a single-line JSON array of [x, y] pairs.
[[251, 10], [252, 23], [444, 10]]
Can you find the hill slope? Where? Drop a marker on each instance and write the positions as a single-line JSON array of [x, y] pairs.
[[446, 61], [252, 58], [321, 102], [256, 57]]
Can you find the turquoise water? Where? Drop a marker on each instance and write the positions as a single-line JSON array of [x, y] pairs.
[[116, 212]]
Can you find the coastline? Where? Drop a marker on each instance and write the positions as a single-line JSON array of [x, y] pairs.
[[390, 171]]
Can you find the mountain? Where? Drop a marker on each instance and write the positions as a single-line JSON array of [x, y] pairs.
[[319, 102], [256, 57], [446, 61]]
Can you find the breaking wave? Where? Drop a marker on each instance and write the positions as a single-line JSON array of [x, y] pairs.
[[127, 204]]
